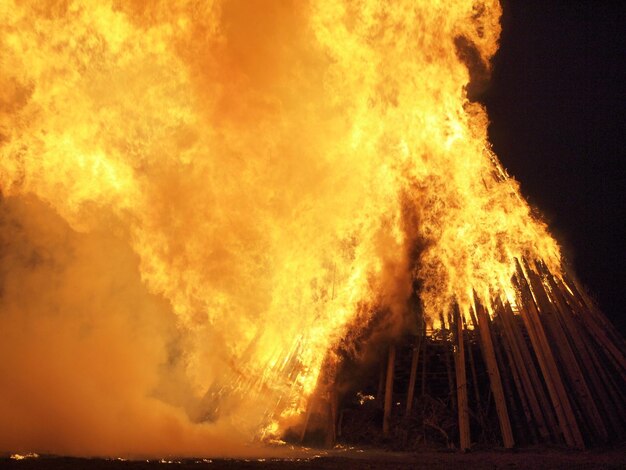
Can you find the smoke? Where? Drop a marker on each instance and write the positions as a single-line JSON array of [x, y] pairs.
[[87, 352]]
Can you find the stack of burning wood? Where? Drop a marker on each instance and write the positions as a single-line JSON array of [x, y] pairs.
[[547, 368]]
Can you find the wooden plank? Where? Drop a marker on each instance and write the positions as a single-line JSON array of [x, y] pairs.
[[461, 384], [494, 375], [389, 390]]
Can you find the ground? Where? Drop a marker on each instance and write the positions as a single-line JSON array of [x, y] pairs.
[[541, 458]]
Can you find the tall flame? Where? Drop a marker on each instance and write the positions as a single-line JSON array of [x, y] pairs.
[[274, 165]]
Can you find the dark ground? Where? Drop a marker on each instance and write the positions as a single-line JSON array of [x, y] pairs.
[[359, 459]]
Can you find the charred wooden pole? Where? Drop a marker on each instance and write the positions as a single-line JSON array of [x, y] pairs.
[[461, 384], [389, 390], [494, 375], [413, 376]]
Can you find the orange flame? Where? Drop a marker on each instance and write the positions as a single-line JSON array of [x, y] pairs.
[[272, 164]]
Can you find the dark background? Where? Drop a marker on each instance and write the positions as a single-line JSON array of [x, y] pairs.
[[557, 102]]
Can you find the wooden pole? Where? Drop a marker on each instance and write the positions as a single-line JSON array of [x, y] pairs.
[[389, 390], [494, 376], [413, 376], [461, 384]]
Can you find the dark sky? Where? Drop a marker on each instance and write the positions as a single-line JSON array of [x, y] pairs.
[[557, 103]]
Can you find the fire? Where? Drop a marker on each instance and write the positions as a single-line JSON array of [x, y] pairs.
[[279, 168]]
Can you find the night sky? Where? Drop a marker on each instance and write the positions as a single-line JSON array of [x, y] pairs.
[[557, 105]]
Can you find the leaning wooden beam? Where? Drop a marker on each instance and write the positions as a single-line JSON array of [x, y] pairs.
[[461, 384], [547, 363], [389, 390], [413, 375], [494, 375]]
